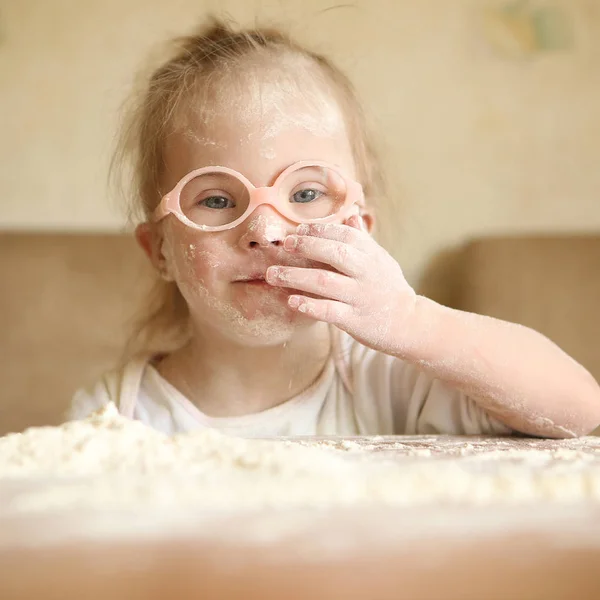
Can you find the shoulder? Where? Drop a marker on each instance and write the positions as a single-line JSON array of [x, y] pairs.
[[119, 386]]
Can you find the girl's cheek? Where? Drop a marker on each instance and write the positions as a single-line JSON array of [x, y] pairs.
[[178, 258], [199, 262], [194, 257], [203, 258]]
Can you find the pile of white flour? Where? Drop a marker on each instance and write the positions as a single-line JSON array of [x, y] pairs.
[[107, 461]]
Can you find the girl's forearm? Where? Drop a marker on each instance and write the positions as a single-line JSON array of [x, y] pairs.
[[515, 373]]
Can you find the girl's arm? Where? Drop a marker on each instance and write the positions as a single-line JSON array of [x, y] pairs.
[[515, 373]]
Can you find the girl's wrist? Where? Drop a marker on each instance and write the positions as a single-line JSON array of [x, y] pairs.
[[417, 338]]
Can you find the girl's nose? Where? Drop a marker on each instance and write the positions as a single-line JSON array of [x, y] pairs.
[[265, 228]]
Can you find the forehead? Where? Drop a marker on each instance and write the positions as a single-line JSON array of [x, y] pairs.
[[259, 125]]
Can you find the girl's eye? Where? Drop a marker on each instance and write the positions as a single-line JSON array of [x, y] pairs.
[[217, 202], [307, 195]]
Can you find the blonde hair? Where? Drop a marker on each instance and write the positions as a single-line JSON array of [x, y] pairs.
[[215, 47]]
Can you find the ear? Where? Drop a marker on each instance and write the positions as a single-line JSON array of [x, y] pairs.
[[150, 239]]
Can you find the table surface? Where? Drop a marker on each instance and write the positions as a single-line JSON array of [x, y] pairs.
[[452, 445], [363, 552]]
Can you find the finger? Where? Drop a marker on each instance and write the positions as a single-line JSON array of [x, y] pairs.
[[314, 281], [341, 256], [346, 233], [330, 311]]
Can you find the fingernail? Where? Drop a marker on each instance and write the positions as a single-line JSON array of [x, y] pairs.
[[294, 301], [305, 307], [272, 274], [302, 229], [290, 242]]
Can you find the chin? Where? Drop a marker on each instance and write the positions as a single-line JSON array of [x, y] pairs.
[[247, 323], [266, 330]]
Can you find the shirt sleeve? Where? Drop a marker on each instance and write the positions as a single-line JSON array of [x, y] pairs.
[[389, 389], [434, 407]]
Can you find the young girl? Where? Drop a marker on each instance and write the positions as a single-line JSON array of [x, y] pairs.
[[280, 314]]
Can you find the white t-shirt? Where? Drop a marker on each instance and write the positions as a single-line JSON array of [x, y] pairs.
[[359, 392]]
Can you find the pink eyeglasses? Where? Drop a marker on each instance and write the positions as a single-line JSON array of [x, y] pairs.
[[218, 198]]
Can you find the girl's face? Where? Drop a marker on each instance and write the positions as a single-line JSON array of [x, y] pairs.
[[258, 134]]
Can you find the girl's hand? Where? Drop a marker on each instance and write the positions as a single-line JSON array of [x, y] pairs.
[[367, 295]]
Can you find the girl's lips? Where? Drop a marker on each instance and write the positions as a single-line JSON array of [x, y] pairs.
[[260, 283], [251, 279], [254, 282]]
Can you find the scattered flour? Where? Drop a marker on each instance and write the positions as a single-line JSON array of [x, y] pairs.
[[107, 461]]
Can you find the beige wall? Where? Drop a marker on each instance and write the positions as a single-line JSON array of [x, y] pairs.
[[482, 130]]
